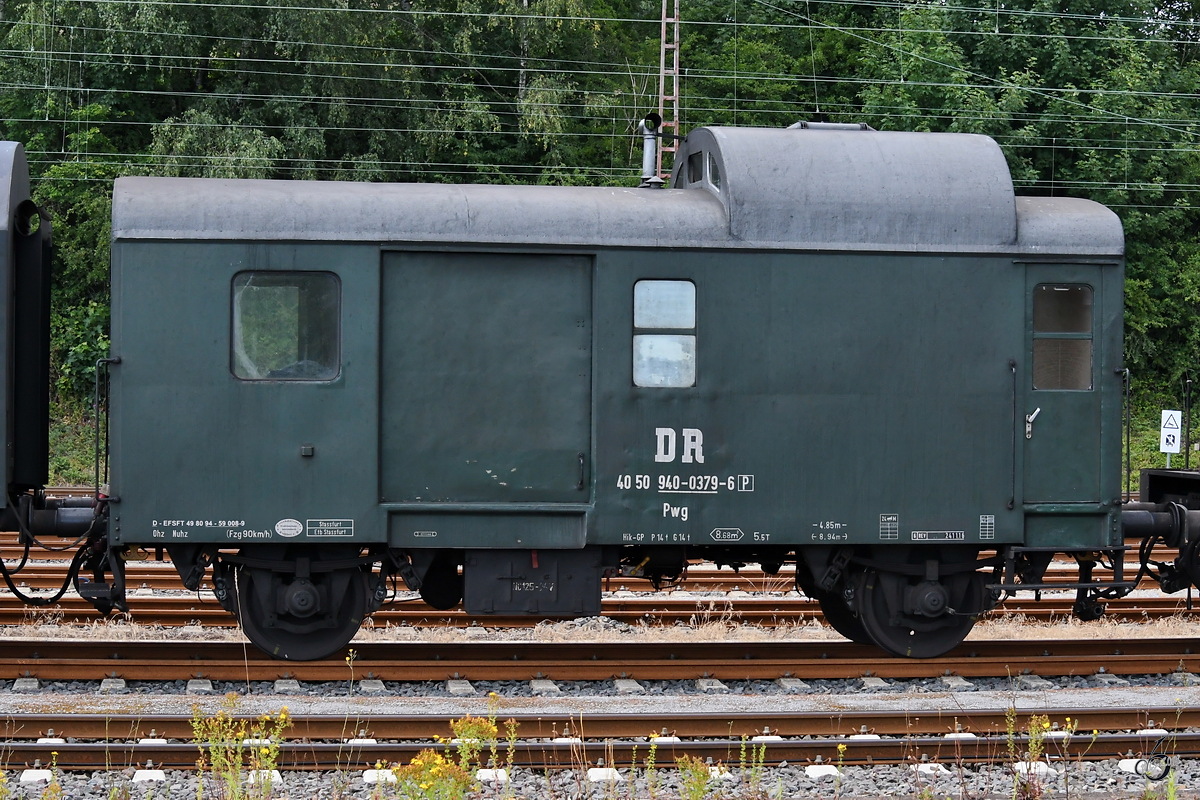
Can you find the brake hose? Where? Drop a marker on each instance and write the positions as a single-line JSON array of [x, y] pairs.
[[21, 565], [72, 573]]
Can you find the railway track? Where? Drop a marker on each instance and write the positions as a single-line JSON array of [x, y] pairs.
[[660, 609], [593, 661], [319, 742], [548, 725], [556, 741]]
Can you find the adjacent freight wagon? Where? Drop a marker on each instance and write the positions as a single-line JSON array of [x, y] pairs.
[[851, 350]]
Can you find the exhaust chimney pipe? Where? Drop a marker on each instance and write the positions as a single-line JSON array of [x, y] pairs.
[[649, 131]]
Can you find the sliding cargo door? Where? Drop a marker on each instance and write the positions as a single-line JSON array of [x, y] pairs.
[[485, 378]]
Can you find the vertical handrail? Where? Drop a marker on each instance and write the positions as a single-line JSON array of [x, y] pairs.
[[1012, 499], [1128, 380], [101, 363], [1187, 424]]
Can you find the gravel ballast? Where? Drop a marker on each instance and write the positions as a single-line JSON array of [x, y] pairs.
[[1087, 779]]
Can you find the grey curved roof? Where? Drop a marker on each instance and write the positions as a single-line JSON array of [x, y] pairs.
[[1052, 225], [833, 186], [778, 188], [198, 208]]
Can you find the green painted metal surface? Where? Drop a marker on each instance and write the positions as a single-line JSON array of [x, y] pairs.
[[202, 456], [486, 371], [548, 528], [839, 398], [1073, 441], [1062, 450], [865, 346]]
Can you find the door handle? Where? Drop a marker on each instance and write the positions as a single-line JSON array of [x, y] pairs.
[[1029, 418]]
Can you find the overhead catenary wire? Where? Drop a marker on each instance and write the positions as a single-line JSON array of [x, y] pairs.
[[207, 59], [1086, 115], [1102, 115], [498, 15], [1047, 92], [998, 82], [808, 27], [1114, 145]]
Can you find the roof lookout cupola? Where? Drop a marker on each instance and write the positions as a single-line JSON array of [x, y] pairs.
[[831, 185]]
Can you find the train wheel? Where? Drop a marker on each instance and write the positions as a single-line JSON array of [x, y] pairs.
[[301, 618], [919, 619], [840, 617], [837, 614], [442, 586]]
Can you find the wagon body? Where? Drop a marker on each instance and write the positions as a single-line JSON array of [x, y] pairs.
[[862, 334]]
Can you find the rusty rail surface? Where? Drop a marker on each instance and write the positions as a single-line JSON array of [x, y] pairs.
[[321, 742], [733, 660], [702, 725], [655, 609]]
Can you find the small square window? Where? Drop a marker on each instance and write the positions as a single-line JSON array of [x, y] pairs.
[[666, 361], [664, 304], [1062, 308], [1062, 364], [286, 326], [1062, 336]]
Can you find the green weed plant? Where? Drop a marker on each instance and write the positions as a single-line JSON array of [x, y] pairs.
[[226, 761]]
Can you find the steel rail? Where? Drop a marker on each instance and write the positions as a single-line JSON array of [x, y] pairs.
[[735, 660], [764, 610], [702, 725]]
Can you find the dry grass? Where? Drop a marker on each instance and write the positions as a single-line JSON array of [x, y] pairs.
[[43, 626], [706, 626], [1017, 626]]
